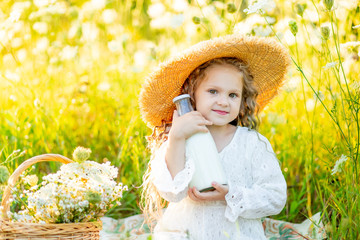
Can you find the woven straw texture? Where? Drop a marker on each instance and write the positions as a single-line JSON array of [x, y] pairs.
[[267, 60], [21, 231]]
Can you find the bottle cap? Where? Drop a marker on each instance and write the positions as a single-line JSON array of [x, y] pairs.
[[182, 96]]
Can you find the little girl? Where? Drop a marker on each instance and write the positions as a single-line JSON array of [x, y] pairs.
[[229, 80]]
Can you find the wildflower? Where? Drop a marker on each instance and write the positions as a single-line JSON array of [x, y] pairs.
[[156, 10], [13, 98], [231, 8], [32, 180], [104, 86], [66, 195], [176, 20], [352, 44], [330, 65], [179, 5], [262, 31], [40, 27], [270, 20], [16, 42], [140, 58], [37, 103], [293, 27], [109, 16], [328, 4], [310, 104], [15, 15], [261, 7], [196, 20], [115, 46], [325, 32], [338, 164], [42, 45], [89, 32], [68, 52], [300, 8], [81, 154], [41, 3], [12, 76], [4, 174], [98, 4], [356, 85], [21, 55]]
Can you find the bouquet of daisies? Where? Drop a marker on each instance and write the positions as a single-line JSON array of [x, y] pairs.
[[81, 191]]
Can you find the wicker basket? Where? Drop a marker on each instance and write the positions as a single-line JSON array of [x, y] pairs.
[[31, 231]]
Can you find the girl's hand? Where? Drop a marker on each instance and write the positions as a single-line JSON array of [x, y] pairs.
[[215, 195], [187, 125]]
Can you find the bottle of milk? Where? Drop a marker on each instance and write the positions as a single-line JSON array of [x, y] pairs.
[[202, 149]]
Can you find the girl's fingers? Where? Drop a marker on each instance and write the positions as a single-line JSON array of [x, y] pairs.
[[195, 195], [189, 123], [218, 194], [202, 122], [175, 115], [203, 129], [191, 195], [199, 195], [219, 187], [205, 122], [195, 117]]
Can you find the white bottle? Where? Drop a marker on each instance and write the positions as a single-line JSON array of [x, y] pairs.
[[202, 149]]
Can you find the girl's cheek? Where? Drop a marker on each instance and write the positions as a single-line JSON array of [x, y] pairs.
[[236, 100]]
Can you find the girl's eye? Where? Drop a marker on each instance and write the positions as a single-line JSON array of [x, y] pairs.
[[233, 95], [212, 91]]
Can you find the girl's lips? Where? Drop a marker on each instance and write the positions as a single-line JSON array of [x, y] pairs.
[[220, 112]]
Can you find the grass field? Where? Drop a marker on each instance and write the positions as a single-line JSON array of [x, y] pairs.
[[71, 72]]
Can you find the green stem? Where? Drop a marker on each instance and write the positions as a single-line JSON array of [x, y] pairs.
[[208, 30], [351, 101], [12, 54], [322, 103], [308, 165]]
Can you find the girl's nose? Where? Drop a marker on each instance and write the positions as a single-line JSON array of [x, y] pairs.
[[222, 101]]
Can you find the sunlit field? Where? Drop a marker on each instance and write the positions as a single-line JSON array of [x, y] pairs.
[[71, 72]]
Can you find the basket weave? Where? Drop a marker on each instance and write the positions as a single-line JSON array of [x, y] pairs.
[[31, 231]]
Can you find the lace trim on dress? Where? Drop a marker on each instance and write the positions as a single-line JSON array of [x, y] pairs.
[[162, 178], [235, 204]]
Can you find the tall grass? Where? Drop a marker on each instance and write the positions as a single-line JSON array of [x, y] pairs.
[[70, 75], [337, 93], [331, 77]]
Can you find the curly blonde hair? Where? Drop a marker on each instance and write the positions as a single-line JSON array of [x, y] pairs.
[[152, 202]]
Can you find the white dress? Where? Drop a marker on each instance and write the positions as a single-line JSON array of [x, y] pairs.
[[257, 188]]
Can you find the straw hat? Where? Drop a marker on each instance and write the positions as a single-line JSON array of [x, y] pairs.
[[266, 58]]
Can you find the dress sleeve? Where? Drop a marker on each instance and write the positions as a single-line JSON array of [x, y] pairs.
[[267, 194], [171, 189]]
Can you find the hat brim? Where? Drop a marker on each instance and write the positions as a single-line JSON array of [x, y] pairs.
[[267, 61]]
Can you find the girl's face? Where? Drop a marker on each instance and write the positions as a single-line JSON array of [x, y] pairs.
[[218, 96]]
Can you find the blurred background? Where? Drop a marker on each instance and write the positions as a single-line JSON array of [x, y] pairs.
[[71, 72]]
